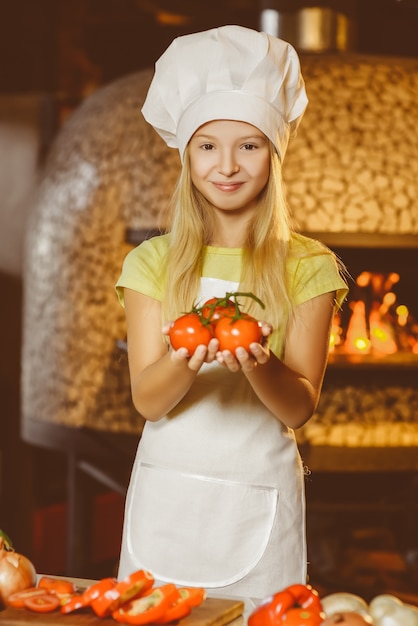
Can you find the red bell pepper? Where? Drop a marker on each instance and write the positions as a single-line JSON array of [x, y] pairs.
[[59, 586], [82, 600], [285, 607], [136, 584], [189, 597], [179, 609], [194, 595], [149, 607], [75, 603], [97, 589], [302, 617]]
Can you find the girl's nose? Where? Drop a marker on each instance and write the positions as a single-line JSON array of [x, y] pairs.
[[227, 164]]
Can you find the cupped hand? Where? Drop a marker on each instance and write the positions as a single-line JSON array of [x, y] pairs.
[[202, 353], [245, 360]]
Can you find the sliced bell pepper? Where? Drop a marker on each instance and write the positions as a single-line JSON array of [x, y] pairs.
[[179, 609], [59, 586], [188, 598], [97, 589], [194, 595], [149, 607], [75, 603], [82, 600], [128, 588]]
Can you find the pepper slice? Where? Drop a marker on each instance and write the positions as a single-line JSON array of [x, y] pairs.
[[97, 589], [130, 587], [179, 609], [59, 586], [82, 600], [149, 607], [75, 603], [194, 595]]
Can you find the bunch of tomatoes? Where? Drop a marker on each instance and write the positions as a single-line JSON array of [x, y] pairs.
[[218, 317]]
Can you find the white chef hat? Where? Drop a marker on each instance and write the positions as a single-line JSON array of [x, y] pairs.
[[230, 72]]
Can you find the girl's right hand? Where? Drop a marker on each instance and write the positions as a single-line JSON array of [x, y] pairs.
[[202, 354]]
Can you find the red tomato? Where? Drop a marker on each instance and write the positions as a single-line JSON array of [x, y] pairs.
[[213, 312], [18, 598], [302, 617], [188, 331], [241, 332], [45, 603]]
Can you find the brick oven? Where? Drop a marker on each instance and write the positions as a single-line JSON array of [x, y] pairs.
[[370, 396], [352, 180]]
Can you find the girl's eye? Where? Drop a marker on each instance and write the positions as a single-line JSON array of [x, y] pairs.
[[249, 146], [207, 146]]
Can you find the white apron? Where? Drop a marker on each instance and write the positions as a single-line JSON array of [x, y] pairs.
[[216, 497]]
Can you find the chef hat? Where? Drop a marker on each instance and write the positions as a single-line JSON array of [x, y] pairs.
[[233, 73]]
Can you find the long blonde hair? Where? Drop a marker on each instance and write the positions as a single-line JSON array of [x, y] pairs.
[[264, 253]]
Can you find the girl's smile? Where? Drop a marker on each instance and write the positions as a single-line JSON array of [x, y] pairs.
[[228, 186], [230, 164]]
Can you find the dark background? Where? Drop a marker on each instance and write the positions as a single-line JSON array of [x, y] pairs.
[[43, 41]]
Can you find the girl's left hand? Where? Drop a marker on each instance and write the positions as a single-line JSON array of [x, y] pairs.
[[246, 361]]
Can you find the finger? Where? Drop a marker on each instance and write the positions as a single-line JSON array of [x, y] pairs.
[[260, 353], [266, 329], [212, 350], [198, 358], [230, 361], [182, 354], [246, 360]]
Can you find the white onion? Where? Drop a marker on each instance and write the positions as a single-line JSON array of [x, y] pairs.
[[16, 573], [388, 610], [341, 602]]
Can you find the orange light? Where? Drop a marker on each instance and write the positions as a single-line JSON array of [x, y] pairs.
[[357, 339], [377, 323], [362, 344]]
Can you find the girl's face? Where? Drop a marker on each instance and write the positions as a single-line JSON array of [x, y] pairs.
[[230, 164]]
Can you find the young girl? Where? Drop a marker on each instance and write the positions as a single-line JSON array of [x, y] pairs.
[[216, 497]]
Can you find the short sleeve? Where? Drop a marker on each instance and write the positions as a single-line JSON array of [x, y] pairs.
[[143, 269], [317, 274]]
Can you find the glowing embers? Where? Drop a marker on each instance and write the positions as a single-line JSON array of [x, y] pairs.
[[374, 321]]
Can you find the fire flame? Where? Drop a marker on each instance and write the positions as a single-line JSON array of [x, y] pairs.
[[373, 321]]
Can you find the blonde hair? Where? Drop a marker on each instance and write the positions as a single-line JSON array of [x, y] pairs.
[[264, 253]]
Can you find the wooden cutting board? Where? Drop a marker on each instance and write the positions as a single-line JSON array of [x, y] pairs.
[[213, 612]]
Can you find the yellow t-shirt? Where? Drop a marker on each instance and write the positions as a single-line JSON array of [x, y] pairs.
[[311, 267]]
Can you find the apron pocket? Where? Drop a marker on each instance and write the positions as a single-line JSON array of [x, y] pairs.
[[196, 530]]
